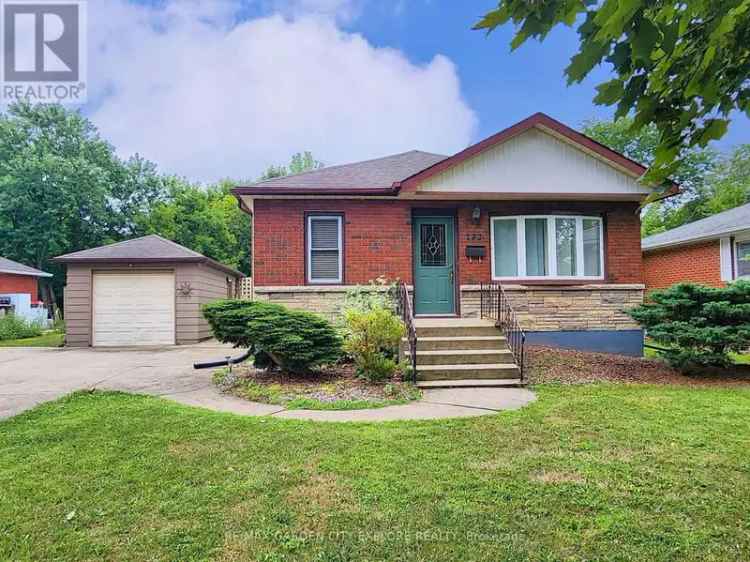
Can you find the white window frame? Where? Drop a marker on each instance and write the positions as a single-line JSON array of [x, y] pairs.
[[741, 239], [340, 248], [551, 248]]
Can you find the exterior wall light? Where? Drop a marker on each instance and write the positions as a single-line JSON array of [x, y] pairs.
[[476, 214]]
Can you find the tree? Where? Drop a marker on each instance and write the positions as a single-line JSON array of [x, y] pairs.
[[680, 66], [300, 162], [698, 325], [62, 188], [204, 219], [695, 167], [641, 145]]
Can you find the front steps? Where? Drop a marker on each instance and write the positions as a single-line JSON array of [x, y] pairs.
[[462, 352]]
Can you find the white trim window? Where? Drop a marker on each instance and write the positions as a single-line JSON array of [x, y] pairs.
[[324, 249], [556, 247], [742, 258]]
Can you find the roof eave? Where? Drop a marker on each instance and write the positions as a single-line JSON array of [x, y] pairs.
[[690, 241], [26, 273], [312, 191]]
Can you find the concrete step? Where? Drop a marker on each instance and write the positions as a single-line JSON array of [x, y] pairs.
[[471, 383], [434, 343], [467, 372], [462, 357], [454, 327]]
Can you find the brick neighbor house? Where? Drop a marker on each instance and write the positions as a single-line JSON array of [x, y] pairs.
[[543, 209], [712, 251]]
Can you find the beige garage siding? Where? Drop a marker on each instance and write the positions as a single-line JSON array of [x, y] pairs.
[[196, 284]]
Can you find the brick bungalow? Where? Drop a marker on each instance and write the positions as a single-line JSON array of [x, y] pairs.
[[539, 207], [713, 251]]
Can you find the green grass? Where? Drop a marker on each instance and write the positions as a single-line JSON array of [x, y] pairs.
[[49, 339], [590, 472], [738, 358]]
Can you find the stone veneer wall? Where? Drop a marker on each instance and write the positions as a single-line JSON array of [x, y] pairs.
[[539, 308], [325, 300], [563, 308]]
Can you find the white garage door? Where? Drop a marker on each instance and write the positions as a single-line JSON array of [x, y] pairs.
[[133, 309]]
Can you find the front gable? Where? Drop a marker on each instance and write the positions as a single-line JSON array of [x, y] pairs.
[[535, 162], [536, 158]]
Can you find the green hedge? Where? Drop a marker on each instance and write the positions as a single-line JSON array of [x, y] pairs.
[[295, 341], [14, 327]]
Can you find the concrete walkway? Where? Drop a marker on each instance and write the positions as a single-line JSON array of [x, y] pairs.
[[30, 376]]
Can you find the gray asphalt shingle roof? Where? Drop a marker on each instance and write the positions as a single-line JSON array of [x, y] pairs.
[[380, 173], [149, 248], [733, 220], [15, 268]]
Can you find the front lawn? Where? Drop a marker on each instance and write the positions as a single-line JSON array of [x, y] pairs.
[[603, 471], [48, 339]]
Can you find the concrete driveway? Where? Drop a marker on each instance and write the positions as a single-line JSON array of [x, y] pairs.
[[29, 376]]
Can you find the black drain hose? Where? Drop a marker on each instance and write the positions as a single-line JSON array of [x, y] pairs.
[[224, 362]]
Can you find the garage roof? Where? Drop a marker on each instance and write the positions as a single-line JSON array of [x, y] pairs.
[[147, 249]]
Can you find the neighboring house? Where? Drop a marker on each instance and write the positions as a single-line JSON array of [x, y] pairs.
[[712, 251], [550, 213], [19, 291], [146, 291]]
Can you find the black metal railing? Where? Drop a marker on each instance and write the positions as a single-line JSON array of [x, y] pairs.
[[495, 305], [406, 311]]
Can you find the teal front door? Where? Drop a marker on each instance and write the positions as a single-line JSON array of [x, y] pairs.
[[434, 291]]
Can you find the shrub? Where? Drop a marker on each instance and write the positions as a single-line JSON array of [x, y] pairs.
[[293, 340], [379, 293], [14, 327], [698, 325], [372, 340]]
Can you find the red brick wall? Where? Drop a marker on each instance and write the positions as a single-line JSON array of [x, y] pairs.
[[697, 263], [378, 237], [377, 240], [18, 284]]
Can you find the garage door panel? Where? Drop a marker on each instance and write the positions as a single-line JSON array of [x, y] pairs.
[[134, 309]]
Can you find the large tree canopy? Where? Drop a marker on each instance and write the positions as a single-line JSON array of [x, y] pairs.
[[204, 219], [62, 188], [680, 66], [711, 182]]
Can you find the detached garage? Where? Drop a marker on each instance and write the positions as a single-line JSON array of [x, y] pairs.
[[142, 292]]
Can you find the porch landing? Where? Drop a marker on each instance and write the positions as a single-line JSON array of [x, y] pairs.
[[462, 352]]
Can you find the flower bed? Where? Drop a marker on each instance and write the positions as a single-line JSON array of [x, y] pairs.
[[335, 388]]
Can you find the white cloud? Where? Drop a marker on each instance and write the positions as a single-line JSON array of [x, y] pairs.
[[207, 97]]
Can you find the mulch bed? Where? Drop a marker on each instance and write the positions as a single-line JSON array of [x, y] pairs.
[[335, 383], [576, 367]]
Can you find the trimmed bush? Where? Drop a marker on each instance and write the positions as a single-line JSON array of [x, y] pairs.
[[293, 340], [372, 340], [14, 327], [698, 325]]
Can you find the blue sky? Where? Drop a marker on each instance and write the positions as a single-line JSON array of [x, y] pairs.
[[228, 87], [502, 86]]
